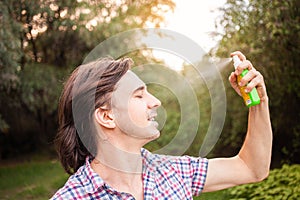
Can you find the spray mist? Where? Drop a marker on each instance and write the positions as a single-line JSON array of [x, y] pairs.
[[251, 98]]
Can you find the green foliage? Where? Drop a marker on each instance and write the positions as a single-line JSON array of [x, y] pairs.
[[9, 54], [30, 109], [204, 102], [40, 89], [268, 33], [218, 195], [9, 44], [282, 183]]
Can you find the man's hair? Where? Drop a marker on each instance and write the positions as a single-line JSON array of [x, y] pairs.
[[89, 87]]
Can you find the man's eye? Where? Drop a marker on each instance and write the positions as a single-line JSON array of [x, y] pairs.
[[139, 96]]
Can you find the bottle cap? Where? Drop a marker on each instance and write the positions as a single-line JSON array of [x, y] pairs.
[[236, 61]]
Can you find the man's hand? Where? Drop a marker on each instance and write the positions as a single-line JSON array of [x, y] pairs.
[[253, 78]]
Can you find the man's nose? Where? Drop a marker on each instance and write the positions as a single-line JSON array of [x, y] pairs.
[[153, 102]]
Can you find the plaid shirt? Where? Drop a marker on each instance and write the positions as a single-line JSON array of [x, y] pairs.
[[164, 177]]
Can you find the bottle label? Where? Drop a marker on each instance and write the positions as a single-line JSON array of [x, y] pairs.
[[245, 95]]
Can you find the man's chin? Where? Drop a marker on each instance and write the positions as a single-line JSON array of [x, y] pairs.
[[155, 135]]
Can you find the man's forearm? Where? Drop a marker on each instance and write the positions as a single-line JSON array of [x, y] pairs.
[[257, 148]]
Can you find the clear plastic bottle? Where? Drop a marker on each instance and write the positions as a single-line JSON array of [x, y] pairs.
[[251, 98]]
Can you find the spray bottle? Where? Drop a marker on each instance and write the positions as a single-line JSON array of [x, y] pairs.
[[251, 98]]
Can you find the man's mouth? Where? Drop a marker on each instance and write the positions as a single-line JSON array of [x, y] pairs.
[[151, 117]]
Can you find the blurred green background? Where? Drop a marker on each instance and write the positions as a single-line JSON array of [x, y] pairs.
[[42, 41]]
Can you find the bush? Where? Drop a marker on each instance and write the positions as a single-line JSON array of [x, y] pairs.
[[281, 184]]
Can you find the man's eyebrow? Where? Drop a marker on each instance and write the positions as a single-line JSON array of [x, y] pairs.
[[143, 87]]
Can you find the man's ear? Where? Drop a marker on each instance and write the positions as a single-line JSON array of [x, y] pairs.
[[105, 118]]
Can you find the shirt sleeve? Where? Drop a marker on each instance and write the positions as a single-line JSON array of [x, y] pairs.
[[199, 166], [193, 170]]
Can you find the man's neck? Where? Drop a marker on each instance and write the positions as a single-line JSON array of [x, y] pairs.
[[120, 159], [110, 175], [122, 178]]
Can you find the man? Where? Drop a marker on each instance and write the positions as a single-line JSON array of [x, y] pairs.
[[101, 144]]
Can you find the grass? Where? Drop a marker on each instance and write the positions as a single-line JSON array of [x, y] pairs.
[[36, 180], [31, 180]]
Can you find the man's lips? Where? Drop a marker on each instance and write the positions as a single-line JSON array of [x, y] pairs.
[[152, 116]]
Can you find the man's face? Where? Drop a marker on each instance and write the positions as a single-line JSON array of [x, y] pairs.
[[134, 108]]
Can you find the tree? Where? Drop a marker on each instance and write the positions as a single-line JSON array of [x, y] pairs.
[[268, 33], [51, 29], [9, 55]]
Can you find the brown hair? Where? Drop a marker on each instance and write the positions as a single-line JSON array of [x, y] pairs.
[[89, 87]]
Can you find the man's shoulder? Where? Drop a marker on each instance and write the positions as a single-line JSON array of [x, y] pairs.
[[171, 160], [83, 183], [74, 182]]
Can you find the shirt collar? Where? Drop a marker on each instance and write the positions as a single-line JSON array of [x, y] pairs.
[[92, 181]]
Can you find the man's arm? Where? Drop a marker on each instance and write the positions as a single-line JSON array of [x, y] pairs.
[[253, 161]]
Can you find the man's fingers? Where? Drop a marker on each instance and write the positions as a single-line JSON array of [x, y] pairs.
[[241, 56], [248, 77], [232, 78], [233, 81], [252, 79], [246, 64], [256, 81]]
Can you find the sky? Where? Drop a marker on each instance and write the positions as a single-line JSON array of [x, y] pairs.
[[196, 20]]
